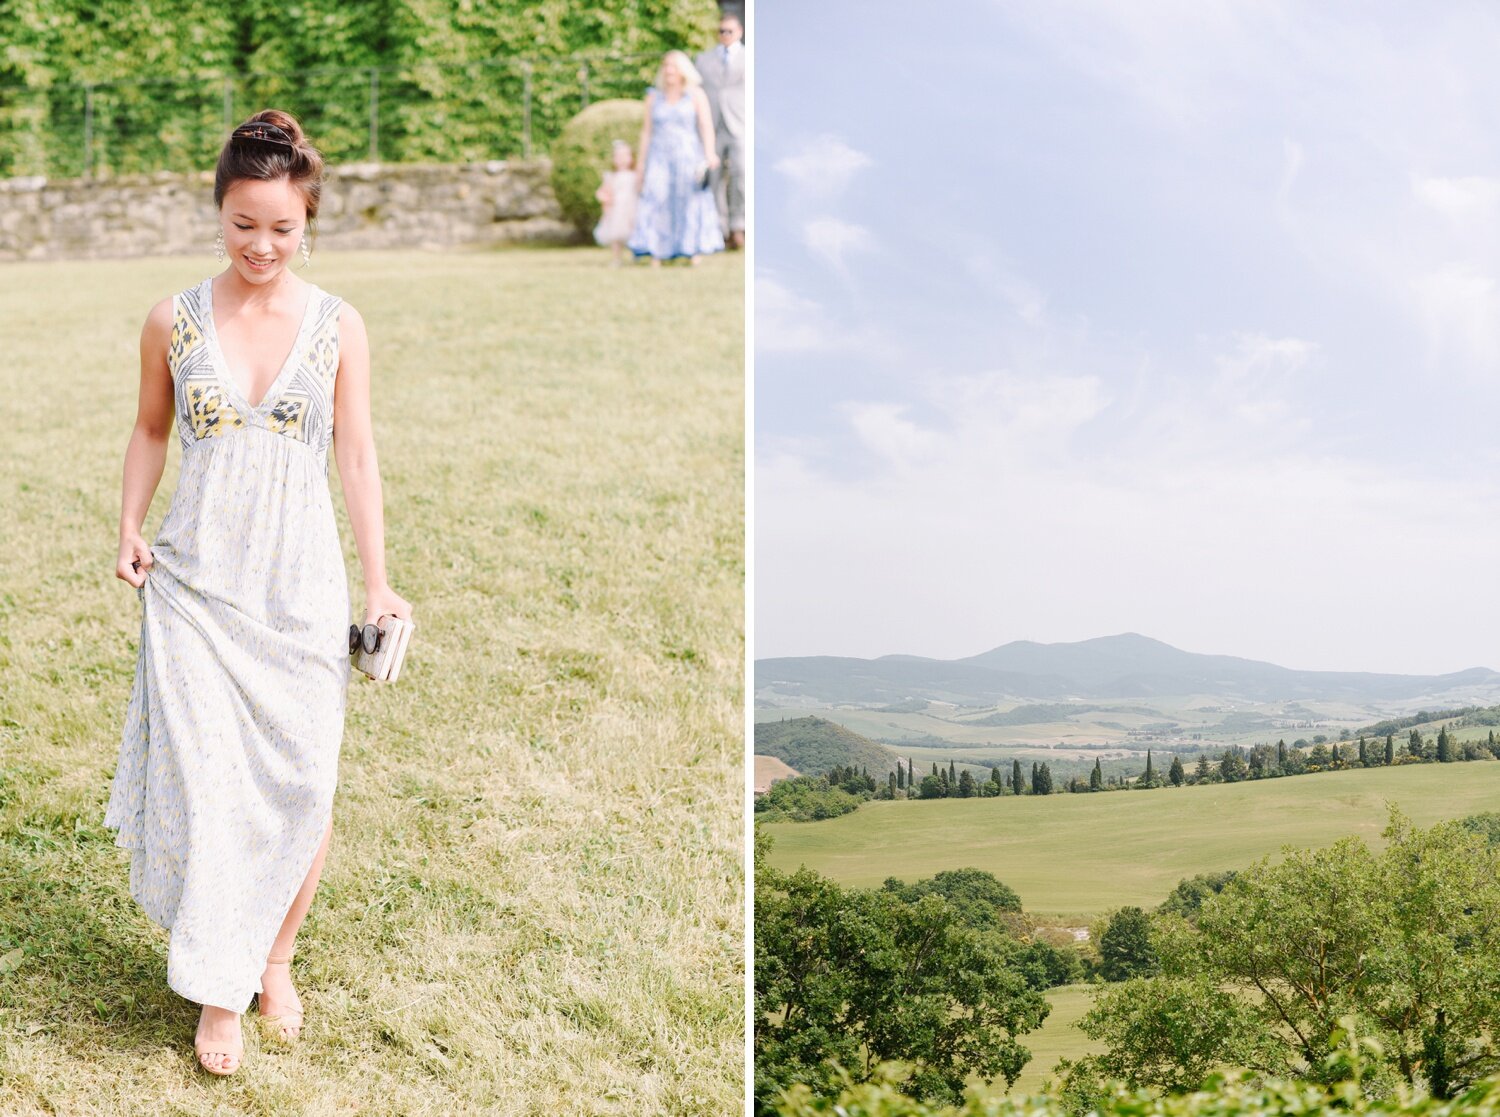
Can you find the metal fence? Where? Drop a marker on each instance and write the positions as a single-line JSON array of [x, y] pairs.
[[429, 112]]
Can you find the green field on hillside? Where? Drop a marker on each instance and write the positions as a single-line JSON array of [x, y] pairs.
[[1058, 1036], [1073, 856]]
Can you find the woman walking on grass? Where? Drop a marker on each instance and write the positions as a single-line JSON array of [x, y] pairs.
[[675, 215], [228, 759]]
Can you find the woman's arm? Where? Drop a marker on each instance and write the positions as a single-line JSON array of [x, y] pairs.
[[706, 128], [644, 144], [354, 450], [146, 453]]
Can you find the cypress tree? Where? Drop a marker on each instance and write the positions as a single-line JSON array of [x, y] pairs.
[[891, 783], [1390, 748], [1337, 760], [996, 779], [952, 775], [1414, 744], [1045, 776], [1096, 777], [1444, 746], [1150, 777], [1364, 758], [1175, 773], [900, 774], [1036, 771], [1017, 782], [1281, 754]]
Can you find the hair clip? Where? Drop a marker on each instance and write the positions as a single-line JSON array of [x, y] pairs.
[[265, 133]]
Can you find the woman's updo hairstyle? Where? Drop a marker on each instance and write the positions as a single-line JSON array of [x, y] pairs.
[[268, 146]]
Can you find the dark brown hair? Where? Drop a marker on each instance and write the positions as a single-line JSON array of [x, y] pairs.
[[277, 150]]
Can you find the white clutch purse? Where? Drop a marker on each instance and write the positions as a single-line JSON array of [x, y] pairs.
[[380, 649]]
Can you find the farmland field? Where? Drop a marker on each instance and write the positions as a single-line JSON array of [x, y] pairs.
[[1073, 856]]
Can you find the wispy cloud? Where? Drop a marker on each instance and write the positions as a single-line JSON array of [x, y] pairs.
[[833, 240], [823, 167]]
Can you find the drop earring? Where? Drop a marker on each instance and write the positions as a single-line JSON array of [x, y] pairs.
[[306, 251], [219, 246]]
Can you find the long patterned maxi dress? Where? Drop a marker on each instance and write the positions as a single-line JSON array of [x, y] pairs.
[[229, 753], [674, 216]]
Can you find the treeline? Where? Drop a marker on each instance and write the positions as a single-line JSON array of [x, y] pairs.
[[810, 798], [820, 797]]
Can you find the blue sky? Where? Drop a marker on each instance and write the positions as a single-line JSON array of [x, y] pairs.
[[1176, 318]]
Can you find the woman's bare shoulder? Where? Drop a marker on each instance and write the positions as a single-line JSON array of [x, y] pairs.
[[350, 319], [159, 319]]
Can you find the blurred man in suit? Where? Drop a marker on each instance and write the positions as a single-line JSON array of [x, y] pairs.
[[723, 70]]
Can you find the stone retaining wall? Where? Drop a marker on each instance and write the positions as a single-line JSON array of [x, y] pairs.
[[364, 206]]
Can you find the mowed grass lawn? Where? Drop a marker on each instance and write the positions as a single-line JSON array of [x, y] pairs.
[[1070, 857], [533, 901]]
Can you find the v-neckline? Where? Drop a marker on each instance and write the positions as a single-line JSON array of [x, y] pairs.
[[226, 374]]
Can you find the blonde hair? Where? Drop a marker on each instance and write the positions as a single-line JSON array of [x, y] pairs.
[[691, 78]]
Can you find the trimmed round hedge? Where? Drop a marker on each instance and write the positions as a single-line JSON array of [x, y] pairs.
[[581, 155]]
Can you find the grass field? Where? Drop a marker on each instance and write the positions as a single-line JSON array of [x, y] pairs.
[[1057, 1037], [533, 901], [1073, 856]]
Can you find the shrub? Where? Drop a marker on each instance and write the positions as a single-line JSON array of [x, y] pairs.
[[581, 155]]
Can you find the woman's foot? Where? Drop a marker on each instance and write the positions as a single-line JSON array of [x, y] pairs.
[[280, 1007], [218, 1042]]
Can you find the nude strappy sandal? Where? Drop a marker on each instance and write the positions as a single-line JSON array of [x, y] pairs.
[[235, 1052], [274, 1027]]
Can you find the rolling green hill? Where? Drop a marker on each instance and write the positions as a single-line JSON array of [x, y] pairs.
[[1074, 856], [812, 746]]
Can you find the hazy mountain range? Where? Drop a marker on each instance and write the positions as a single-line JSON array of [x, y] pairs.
[[1109, 667]]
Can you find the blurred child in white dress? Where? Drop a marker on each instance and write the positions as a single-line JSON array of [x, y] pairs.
[[617, 193]]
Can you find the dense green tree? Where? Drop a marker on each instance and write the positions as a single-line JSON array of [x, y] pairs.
[[1188, 896], [1414, 745], [979, 899], [1017, 780], [1232, 767], [1364, 756], [1042, 783], [1149, 779], [1175, 773], [900, 775], [1281, 754], [1203, 772], [1445, 746], [932, 788], [1390, 748], [966, 786], [1096, 777], [1494, 745], [807, 799], [860, 977], [1407, 939], [998, 785], [1486, 825], [1125, 949], [1320, 757]]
